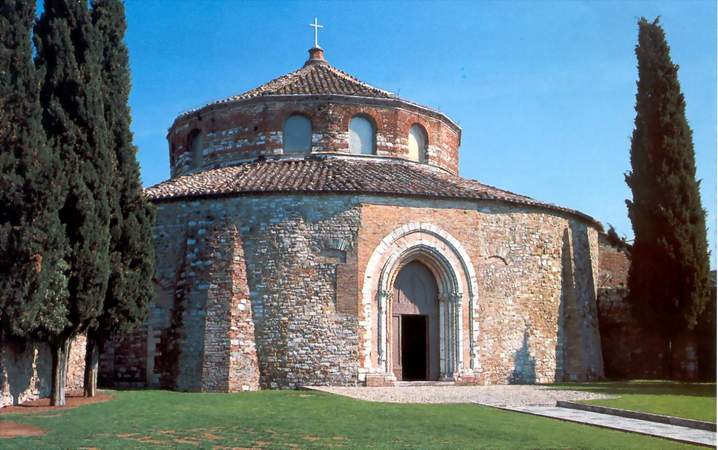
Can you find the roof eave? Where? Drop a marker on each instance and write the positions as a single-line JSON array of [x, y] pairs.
[[540, 206]]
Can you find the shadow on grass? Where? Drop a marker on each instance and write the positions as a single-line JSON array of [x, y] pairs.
[[643, 387]]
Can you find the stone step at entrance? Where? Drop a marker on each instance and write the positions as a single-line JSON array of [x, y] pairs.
[[423, 383]]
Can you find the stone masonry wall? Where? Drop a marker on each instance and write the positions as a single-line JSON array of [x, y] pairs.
[[265, 291], [244, 131], [276, 323], [293, 247], [123, 362], [26, 371]]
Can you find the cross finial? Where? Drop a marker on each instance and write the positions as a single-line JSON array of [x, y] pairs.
[[316, 27]]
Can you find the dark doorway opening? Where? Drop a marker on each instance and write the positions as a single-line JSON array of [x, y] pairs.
[[413, 347], [415, 324]]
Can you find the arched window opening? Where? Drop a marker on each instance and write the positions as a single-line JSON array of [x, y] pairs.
[[418, 141], [362, 137], [195, 148], [297, 134]]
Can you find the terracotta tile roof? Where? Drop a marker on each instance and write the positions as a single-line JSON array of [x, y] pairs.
[[312, 79], [338, 174]]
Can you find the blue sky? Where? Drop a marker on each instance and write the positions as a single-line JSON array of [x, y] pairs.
[[544, 91]]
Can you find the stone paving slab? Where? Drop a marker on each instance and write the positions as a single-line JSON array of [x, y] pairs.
[[494, 395], [641, 415], [666, 431]]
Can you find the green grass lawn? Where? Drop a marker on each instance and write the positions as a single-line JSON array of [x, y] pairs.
[[280, 419], [688, 400]]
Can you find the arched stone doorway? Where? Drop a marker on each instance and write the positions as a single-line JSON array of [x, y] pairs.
[[456, 286], [415, 324]]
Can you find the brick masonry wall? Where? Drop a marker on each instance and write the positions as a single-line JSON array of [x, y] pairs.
[[230, 355], [246, 130], [26, 371], [629, 351], [536, 311], [632, 351], [266, 291]]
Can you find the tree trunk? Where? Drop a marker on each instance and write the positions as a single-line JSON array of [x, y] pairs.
[[684, 362], [60, 354], [92, 354]]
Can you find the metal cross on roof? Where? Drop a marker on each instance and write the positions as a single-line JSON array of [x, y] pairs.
[[316, 27]]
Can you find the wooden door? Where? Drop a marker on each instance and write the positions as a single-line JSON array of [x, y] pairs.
[[416, 293], [396, 346]]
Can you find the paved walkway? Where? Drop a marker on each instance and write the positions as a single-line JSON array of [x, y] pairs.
[[682, 434], [529, 399], [494, 395]]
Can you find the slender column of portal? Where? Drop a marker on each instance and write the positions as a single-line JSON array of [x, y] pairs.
[[459, 361], [382, 325], [449, 337], [474, 359], [443, 366]]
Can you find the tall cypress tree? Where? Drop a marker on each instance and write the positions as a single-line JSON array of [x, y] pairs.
[[74, 123], [131, 248], [669, 273], [31, 236]]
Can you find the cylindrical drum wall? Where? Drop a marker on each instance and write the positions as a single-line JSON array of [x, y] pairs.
[[225, 134], [283, 290]]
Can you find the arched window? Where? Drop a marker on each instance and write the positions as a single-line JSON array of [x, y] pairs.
[[417, 143], [297, 134], [195, 148], [361, 136]]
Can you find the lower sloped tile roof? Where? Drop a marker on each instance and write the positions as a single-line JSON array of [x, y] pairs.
[[339, 174]]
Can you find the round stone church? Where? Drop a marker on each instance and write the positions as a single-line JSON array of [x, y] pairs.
[[315, 231]]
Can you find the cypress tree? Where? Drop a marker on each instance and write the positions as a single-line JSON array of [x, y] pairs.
[[131, 248], [73, 119], [669, 272], [32, 280]]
